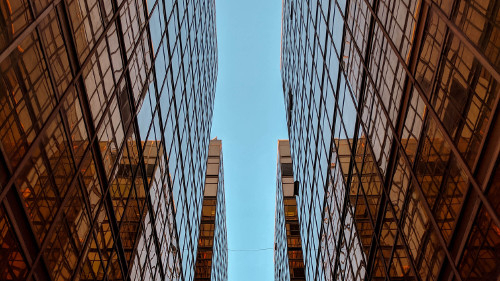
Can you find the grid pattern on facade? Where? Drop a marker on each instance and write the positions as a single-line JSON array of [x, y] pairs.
[[206, 239], [212, 255], [392, 110], [105, 115], [288, 257]]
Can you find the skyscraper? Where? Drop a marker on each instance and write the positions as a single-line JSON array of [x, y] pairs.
[[105, 116], [288, 257], [211, 261], [392, 110]]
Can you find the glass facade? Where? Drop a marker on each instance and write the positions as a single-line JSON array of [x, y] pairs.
[[392, 110], [288, 257], [105, 116], [211, 258]]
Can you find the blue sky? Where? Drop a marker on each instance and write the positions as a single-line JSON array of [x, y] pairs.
[[249, 118]]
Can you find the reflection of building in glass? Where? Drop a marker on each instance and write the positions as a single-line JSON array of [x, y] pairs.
[[105, 113], [211, 259], [392, 109], [288, 258]]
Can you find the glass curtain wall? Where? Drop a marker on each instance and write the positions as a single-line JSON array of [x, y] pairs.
[[212, 255], [288, 255], [392, 110], [105, 115]]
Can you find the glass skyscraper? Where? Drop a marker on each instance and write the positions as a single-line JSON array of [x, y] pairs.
[[392, 111], [105, 116], [288, 257], [211, 262]]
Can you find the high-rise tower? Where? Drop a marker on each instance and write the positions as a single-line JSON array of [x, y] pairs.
[[288, 257], [392, 110], [105, 115], [211, 262]]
